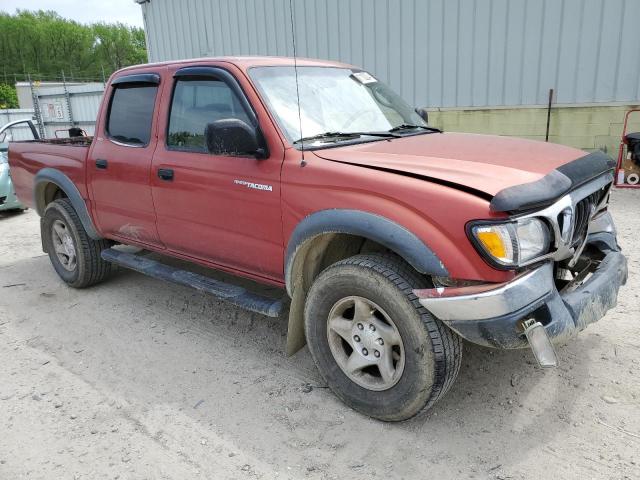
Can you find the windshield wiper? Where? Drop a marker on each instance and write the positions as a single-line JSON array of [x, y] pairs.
[[407, 126], [342, 135]]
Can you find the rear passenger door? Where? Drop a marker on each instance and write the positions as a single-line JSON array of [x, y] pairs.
[[119, 161], [221, 209]]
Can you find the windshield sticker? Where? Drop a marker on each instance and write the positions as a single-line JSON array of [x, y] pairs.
[[364, 77]]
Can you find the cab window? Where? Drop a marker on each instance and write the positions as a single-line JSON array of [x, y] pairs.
[[196, 103], [131, 114]]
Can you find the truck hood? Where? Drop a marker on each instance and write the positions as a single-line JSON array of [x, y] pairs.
[[483, 163]]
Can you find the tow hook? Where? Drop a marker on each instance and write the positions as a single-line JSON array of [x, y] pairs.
[[540, 344]]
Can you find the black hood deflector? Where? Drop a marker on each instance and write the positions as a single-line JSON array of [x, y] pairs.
[[552, 186]]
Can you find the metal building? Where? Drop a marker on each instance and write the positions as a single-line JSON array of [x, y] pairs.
[[444, 53], [500, 57], [56, 106]]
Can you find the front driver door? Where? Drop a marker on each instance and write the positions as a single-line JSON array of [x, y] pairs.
[[221, 209]]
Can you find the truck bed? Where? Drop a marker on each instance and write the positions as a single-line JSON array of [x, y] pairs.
[[71, 141], [26, 158]]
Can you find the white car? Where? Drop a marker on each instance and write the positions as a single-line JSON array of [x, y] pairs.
[[8, 199]]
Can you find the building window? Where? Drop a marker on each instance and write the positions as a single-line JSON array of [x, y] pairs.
[[131, 114], [196, 103]]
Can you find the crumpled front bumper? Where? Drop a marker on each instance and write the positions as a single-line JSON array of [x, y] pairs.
[[492, 315]]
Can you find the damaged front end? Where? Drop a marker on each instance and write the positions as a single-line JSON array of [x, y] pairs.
[[552, 297]]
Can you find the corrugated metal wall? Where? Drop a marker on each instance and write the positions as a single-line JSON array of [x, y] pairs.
[[438, 53]]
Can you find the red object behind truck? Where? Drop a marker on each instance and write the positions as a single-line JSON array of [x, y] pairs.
[[393, 239]]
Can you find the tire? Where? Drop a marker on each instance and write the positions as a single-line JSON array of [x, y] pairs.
[[88, 268], [426, 360]]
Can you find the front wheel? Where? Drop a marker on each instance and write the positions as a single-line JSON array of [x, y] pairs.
[[378, 349]]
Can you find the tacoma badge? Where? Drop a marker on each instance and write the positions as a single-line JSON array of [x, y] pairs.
[[255, 186]]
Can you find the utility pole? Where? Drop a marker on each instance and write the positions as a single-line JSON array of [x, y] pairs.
[[546, 137]]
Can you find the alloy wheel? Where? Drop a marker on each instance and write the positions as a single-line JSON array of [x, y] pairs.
[[365, 343], [63, 245]]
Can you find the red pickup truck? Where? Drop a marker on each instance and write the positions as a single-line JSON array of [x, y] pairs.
[[393, 240]]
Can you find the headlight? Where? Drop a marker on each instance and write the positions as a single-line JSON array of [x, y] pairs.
[[513, 243]]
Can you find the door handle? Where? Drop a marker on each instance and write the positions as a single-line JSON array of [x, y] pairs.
[[101, 163], [165, 174]]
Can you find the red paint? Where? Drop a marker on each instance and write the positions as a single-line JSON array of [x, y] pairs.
[[204, 216]]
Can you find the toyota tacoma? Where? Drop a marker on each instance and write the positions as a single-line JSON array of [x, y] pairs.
[[392, 239]]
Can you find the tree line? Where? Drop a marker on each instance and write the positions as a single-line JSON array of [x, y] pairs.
[[44, 46]]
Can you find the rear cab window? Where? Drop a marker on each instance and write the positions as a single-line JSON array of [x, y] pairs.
[[130, 113]]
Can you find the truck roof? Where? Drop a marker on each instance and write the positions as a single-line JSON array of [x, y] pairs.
[[244, 62]]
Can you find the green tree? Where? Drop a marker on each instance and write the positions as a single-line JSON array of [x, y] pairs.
[[118, 45], [44, 45], [8, 96]]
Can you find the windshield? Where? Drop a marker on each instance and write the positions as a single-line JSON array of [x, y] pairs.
[[332, 100]]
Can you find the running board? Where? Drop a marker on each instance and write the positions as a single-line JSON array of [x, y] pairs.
[[233, 294]]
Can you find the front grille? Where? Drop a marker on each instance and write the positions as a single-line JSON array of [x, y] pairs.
[[583, 212]]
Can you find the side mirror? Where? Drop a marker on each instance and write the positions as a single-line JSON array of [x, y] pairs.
[[231, 136], [423, 114]]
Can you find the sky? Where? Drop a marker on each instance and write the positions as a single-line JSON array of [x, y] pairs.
[[83, 11]]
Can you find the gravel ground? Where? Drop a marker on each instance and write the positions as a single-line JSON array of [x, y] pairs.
[[138, 379]]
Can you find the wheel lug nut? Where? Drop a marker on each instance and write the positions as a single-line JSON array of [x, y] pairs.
[[372, 327], [376, 353], [356, 338], [360, 326], [380, 341], [365, 352]]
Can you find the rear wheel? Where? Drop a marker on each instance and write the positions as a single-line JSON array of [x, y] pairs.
[[74, 255], [378, 349]]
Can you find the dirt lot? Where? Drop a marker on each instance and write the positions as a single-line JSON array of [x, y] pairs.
[[137, 379]]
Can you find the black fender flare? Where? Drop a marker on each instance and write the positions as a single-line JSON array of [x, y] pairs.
[[368, 225], [52, 175]]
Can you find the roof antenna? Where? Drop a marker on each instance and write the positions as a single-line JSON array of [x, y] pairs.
[[295, 69]]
